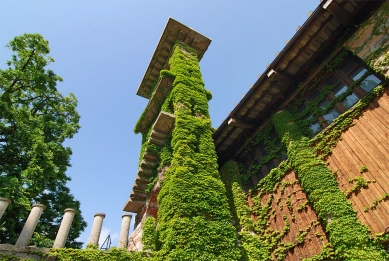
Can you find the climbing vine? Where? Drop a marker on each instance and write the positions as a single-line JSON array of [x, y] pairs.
[[335, 212], [90, 254], [194, 222], [70, 254], [150, 236], [347, 235]]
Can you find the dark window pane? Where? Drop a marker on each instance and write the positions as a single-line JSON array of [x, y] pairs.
[[262, 149], [313, 96], [260, 175], [270, 165], [339, 89], [283, 154], [315, 128], [324, 103], [308, 117], [370, 82], [254, 179], [250, 183], [278, 143], [301, 108], [358, 73], [246, 161], [350, 100], [331, 80], [273, 134], [331, 115], [348, 66]]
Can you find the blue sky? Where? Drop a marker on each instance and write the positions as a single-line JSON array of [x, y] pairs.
[[102, 49]]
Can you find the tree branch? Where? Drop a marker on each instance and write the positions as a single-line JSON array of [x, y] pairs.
[[35, 110], [23, 68]]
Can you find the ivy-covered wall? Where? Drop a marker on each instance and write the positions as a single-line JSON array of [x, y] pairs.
[[193, 221], [275, 220], [297, 210], [360, 163], [265, 214], [193, 218], [266, 203]]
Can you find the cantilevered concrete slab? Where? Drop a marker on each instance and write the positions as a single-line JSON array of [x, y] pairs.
[[174, 30], [163, 125], [154, 105]]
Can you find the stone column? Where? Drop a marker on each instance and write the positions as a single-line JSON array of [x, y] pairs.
[[4, 203], [30, 225], [64, 229], [123, 238], [96, 229]]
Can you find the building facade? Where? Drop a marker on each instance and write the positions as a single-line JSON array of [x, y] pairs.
[[303, 156]]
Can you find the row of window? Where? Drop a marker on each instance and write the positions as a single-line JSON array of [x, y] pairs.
[[343, 81], [342, 78]]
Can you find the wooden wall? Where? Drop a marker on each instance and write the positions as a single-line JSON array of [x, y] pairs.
[[315, 238], [366, 144]]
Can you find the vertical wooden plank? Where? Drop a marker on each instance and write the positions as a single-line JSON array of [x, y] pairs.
[[369, 195], [358, 203], [355, 148], [379, 129]]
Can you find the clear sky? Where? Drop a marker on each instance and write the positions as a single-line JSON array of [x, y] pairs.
[[102, 49]]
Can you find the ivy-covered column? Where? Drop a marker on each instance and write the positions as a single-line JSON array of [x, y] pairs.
[[350, 239], [194, 222]]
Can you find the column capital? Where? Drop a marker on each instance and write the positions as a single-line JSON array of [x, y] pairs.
[[126, 215], [100, 214], [6, 200], [39, 206], [70, 210]]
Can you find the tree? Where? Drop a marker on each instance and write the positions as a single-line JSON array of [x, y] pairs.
[[35, 120]]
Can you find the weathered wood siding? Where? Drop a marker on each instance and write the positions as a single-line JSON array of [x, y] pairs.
[[315, 239], [366, 144]]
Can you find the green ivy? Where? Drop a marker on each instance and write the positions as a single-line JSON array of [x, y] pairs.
[[194, 222], [89, 254], [350, 239], [150, 236]]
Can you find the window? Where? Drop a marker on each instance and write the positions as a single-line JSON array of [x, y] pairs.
[[338, 92]]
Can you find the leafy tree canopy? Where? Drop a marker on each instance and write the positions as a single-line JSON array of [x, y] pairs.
[[35, 119]]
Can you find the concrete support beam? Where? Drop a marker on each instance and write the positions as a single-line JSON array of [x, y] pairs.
[[64, 229], [96, 229], [125, 228], [30, 225], [4, 203]]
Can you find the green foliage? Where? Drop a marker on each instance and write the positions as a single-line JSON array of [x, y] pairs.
[[363, 169], [90, 254], [258, 240], [359, 182], [150, 236], [35, 119], [194, 222], [350, 239], [320, 145], [384, 197], [39, 240], [33, 253]]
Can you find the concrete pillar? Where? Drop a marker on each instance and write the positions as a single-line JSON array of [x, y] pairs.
[[30, 225], [4, 203], [96, 229], [123, 238], [64, 229]]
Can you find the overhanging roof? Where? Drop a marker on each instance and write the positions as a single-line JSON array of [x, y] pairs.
[[173, 31]]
